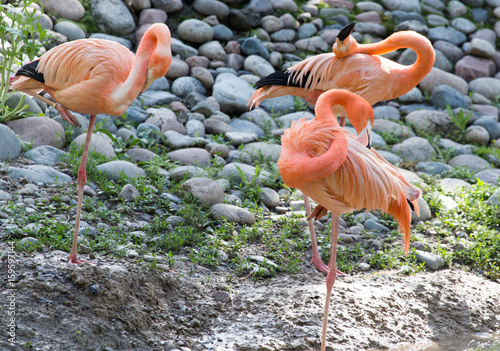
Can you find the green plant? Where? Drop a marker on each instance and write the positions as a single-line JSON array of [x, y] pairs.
[[20, 35]]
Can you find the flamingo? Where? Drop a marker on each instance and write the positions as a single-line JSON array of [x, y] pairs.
[[329, 165], [93, 76], [357, 68]]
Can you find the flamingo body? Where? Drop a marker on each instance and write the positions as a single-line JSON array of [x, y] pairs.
[[360, 71], [329, 165], [93, 76]]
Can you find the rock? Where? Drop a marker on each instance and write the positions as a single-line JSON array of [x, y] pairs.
[[114, 170], [129, 193], [253, 46], [195, 31], [438, 77], [471, 162], [453, 185], [232, 172], [444, 95], [447, 203], [14, 98], [167, 5], [45, 155], [425, 211], [10, 146], [431, 260], [314, 44], [149, 16], [451, 51], [463, 25], [38, 174], [387, 112], [242, 126], [178, 68], [98, 143], [70, 30], [429, 121], [494, 199], [181, 173], [212, 7], [195, 128], [39, 131], [489, 176], [414, 149], [482, 48], [125, 42], [374, 226], [258, 66], [447, 33], [414, 95], [233, 214], [183, 86], [390, 157], [259, 150], [213, 50], [232, 93], [215, 126], [402, 5], [191, 156], [477, 135], [141, 155], [456, 9], [489, 87], [433, 168], [222, 33], [158, 98], [112, 17], [69, 9], [472, 67], [456, 147], [387, 126], [204, 189], [269, 197]]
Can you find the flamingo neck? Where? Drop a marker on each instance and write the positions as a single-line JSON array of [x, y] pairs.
[[152, 43], [406, 39]]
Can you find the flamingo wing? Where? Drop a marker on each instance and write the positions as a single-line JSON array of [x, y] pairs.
[[72, 63]]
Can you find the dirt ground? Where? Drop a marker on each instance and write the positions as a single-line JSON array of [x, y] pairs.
[[121, 305]]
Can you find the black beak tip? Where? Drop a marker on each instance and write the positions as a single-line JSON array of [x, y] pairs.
[[346, 31]]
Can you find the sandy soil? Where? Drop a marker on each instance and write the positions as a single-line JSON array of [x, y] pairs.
[[120, 305]]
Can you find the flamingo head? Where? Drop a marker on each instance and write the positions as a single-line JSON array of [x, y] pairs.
[[345, 44], [161, 56]]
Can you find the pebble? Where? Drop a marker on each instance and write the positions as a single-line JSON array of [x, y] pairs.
[[206, 190], [112, 17], [10, 146], [433, 168], [38, 174], [472, 162], [431, 260], [129, 193], [453, 185], [232, 214], [414, 149], [98, 143], [114, 169]]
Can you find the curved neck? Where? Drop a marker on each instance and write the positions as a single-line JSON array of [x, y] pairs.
[[156, 40], [406, 39]]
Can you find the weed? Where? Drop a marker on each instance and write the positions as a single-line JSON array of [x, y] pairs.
[[18, 30]]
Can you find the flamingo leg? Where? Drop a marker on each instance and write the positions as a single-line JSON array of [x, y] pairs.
[[316, 257], [330, 278], [65, 114], [82, 179]]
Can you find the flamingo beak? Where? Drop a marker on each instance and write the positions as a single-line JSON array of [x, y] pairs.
[[345, 32]]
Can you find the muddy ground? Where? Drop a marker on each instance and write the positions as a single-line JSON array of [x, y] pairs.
[[122, 305]]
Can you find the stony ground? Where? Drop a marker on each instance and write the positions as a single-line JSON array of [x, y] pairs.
[[118, 305]]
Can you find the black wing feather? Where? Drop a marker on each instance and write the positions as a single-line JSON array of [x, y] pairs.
[[29, 70], [411, 205], [282, 78]]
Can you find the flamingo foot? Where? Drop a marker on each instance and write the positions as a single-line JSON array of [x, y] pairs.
[[67, 116], [73, 260], [320, 266]]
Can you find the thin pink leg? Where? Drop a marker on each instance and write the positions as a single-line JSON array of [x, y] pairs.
[[330, 278], [82, 179], [65, 114], [316, 257]]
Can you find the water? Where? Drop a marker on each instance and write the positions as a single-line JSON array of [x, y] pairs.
[[474, 342]]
